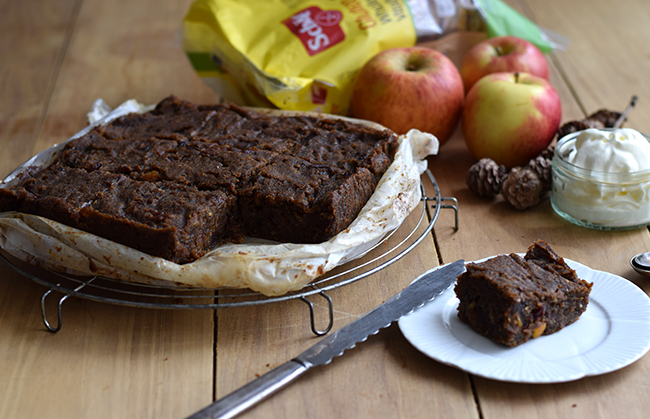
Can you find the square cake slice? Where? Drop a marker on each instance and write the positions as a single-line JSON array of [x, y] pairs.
[[511, 299]]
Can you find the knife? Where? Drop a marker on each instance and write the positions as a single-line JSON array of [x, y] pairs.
[[424, 289]]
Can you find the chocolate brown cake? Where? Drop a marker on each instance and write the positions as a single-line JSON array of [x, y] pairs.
[[511, 299], [181, 179]]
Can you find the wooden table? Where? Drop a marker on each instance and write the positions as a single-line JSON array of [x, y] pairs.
[[108, 361]]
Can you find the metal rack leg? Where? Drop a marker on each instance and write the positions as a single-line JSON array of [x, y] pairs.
[[48, 325], [312, 317], [453, 206]]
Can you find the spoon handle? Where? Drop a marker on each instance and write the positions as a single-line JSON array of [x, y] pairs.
[[627, 110]]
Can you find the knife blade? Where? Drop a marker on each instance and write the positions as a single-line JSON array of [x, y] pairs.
[[424, 289]]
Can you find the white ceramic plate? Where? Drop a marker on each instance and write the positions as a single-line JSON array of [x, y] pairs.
[[612, 333]]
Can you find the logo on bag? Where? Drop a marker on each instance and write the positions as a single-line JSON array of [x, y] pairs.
[[317, 29]]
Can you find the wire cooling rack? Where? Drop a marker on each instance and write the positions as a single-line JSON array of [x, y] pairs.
[[153, 296]]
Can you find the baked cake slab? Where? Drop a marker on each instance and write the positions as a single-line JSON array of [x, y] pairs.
[[260, 264]]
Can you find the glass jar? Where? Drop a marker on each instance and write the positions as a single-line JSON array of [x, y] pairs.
[[598, 200]]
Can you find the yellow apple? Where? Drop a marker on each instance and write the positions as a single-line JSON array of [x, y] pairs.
[[510, 117]]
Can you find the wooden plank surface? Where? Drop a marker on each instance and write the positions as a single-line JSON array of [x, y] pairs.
[[607, 60], [33, 41], [597, 71], [604, 68], [109, 361], [120, 51]]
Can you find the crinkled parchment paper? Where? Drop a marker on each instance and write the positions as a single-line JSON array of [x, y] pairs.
[[267, 267]]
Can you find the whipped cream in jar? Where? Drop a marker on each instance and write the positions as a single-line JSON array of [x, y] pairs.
[[601, 179]]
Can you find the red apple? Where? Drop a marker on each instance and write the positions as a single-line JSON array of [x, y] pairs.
[[404, 88], [505, 53], [510, 117]]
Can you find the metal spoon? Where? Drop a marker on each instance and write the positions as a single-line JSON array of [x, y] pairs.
[[641, 263]]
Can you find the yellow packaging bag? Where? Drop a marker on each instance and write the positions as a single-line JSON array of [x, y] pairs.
[[291, 54]]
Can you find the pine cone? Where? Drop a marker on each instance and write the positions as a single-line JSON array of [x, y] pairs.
[[603, 118], [543, 167], [485, 177], [593, 123], [569, 127], [548, 153], [522, 188]]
